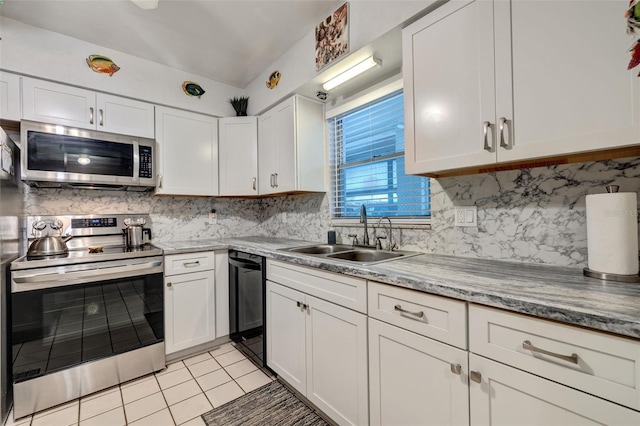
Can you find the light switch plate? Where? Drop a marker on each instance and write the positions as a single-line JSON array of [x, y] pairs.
[[466, 216]]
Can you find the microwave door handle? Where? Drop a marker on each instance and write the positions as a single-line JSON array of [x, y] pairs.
[[38, 281]]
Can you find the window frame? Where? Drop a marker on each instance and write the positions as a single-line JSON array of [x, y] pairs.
[[379, 91]]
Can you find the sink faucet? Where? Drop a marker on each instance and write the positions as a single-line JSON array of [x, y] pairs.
[[363, 219], [391, 245]]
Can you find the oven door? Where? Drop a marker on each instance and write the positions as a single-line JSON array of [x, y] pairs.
[[65, 316]]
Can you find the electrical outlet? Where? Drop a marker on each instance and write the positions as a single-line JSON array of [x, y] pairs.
[[284, 217], [466, 216], [213, 217]]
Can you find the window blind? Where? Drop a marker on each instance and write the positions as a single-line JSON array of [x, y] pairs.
[[367, 163]]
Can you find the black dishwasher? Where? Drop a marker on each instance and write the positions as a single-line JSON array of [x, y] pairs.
[[247, 278]]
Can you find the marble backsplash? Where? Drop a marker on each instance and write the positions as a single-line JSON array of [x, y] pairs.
[[530, 215]]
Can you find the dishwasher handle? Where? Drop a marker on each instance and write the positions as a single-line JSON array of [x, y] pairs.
[[244, 264]]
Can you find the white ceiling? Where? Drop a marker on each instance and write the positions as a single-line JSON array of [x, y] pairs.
[[228, 41]]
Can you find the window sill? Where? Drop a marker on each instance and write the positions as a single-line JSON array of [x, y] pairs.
[[373, 223]]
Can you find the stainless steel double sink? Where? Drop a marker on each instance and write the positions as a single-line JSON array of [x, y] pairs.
[[353, 254]]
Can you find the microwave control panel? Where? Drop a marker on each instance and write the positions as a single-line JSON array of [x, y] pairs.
[[146, 162]]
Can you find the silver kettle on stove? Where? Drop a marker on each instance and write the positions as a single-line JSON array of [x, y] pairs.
[[134, 232], [48, 245]]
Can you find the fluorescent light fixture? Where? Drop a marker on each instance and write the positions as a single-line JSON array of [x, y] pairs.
[[146, 4], [355, 70]]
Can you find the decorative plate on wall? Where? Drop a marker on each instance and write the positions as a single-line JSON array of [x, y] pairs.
[[191, 88], [102, 64]]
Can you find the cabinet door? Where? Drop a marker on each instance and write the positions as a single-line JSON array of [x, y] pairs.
[[10, 96], [189, 310], [448, 72], [187, 145], [267, 152], [286, 335], [337, 361], [58, 104], [571, 91], [125, 116], [507, 396], [285, 146], [412, 380], [238, 154]]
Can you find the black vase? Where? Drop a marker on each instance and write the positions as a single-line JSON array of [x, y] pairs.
[[241, 113]]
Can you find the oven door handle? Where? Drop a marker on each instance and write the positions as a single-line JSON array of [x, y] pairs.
[[38, 281]]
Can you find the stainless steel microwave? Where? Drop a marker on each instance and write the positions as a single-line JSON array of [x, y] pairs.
[[56, 156]]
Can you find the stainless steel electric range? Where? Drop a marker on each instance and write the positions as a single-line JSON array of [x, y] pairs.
[[86, 319]]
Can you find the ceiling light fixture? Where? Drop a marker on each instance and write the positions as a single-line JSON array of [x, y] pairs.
[[352, 72], [84, 159], [146, 4]]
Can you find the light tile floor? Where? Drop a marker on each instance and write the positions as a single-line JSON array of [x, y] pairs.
[[177, 395]]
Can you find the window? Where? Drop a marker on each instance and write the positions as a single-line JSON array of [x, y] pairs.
[[367, 164]]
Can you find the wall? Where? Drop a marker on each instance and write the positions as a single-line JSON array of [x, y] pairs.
[[56, 57], [368, 21], [531, 215]]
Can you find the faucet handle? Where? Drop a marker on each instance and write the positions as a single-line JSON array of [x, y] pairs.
[[378, 243], [354, 240]]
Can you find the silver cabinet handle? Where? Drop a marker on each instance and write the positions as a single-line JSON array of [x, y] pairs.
[[485, 132], [456, 369], [101, 117], [169, 284], [271, 179], [275, 180], [403, 311], [159, 181], [475, 376], [90, 115], [191, 264], [503, 121], [254, 183], [299, 304], [573, 358]]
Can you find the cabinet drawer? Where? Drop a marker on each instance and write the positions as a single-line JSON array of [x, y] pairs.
[[600, 364], [188, 262], [437, 317], [337, 288]]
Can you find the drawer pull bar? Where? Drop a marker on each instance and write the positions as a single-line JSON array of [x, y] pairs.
[[417, 314], [191, 264], [573, 358], [456, 368]]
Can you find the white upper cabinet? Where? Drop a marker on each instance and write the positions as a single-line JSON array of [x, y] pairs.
[[125, 116], [238, 152], [71, 106], [187, 146], [504, 88], [291, 147], [10, 96]]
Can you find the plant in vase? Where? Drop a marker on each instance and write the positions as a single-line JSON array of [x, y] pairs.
[[240, 105]]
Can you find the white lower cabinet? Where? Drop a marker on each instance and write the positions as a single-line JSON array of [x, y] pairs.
[[189, 301], [320, 349], [526, 370], [415, 380], [502, 395]]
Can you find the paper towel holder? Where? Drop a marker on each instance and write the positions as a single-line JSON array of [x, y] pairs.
[[612, 277]]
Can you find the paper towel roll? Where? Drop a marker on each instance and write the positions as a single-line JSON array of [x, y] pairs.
[[612, 233]]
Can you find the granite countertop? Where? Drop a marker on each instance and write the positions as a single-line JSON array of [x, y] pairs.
[[558, 293]]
